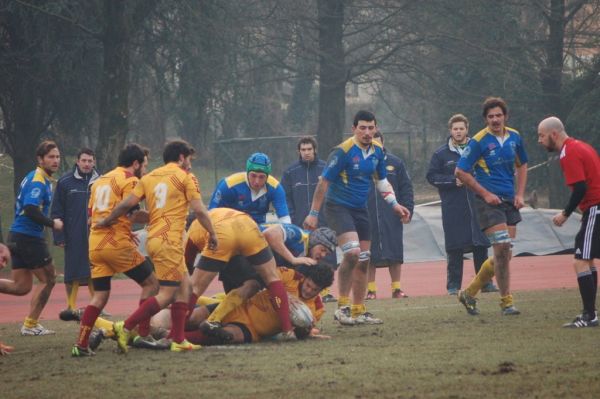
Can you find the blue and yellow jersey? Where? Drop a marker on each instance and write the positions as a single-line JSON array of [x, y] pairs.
[[350, 170], [294, 238], [494, 161], [36, 189], [234, 192]]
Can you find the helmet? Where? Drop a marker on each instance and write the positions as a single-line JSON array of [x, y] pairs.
[[324, 236], [258, 162]]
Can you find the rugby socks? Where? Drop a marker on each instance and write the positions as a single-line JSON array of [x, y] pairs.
[[207, 300], [279, 301], [178, 314], [30, 323], [197, 337], [506, 301], [105, 325], [372, 286], [325, 292], [395, 285], [357, 310], [595, 278], [88, 319], [485, 275], [231, 301], [149, 308], [587, 291], [343, 301], [72, 297], [144, 326]]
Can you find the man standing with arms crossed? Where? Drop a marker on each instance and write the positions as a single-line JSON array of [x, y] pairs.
[[344, 187], [494, 153], [580, 164]]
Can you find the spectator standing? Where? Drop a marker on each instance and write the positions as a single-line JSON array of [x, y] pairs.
[[70, 205], [387, 249], [462, 233]]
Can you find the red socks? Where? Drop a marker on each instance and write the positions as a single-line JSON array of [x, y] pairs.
[[279, 300], [178, 315], [147, 309], [87, 323], [144, 325]]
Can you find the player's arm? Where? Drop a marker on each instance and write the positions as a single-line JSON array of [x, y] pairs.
[[579, 190], [204, 219], [312, 219], [57, 211], [436, 176], [275, 236], [121, 209], [387, 192], [521, 183], [220, 196], [406, 196], [34, 213], [281, 208]]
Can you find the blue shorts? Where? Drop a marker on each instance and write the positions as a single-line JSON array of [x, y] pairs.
[[342, 219], [28, 252]]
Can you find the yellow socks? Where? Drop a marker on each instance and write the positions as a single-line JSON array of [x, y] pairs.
[[506, 301], [372, 286], [325, 291], [358, 310], [482, 278], [72, 296], [30, 323], [343, 301], [231, 301], [395, 285], [106, 325], [207, 300]]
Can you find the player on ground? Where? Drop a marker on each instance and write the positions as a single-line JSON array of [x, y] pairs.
[[112, 249], [580, 164], [238, 235], [168, 191], [252, 191], [344, 187], [494, 153], [30, 254]]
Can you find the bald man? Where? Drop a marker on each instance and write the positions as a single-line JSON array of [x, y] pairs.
[[580, 164]]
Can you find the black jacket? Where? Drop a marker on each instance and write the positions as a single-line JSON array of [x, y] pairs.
[[386, 226], [70, 204], [299, 181], [459, 218]]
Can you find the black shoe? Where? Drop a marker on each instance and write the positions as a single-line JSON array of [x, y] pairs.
[[216, 332], [70, 315], [489, 287], [95, 339]]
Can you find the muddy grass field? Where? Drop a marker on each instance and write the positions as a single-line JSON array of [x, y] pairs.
[[428, 348]]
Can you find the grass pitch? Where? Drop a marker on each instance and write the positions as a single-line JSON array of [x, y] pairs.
[[428, 347]]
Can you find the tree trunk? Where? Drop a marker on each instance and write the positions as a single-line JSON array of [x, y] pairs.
[[333, 74], [114, 106]]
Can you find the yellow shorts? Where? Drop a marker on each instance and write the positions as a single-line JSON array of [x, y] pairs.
[[168, 260], [110, 261], [238, 235]]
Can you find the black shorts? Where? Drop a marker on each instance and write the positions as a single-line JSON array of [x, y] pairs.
[[587, 240], [342, 219], [492, 215], [28, 252], [237, 271]]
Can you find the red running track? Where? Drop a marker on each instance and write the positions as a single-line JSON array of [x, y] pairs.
[[418, 279]]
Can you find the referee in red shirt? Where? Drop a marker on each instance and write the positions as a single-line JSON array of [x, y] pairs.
[[580, 164]]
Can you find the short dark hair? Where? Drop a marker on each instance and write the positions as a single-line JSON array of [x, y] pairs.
[[363, 116], [175, 148], [307, 140], [493, 102], [320, 274], [86, 151], [44, 148], [130, 153]]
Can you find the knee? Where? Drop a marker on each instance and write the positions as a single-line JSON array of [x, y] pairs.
[[50, 280], [351, 251], [248, 289], [21, 290]]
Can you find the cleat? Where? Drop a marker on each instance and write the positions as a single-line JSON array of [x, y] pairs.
[[206, 325], [371, 295], [70, 315], [583, 320], [329, 298], [367, 319], [396, 294], [102, 314], [122, 335], [285, 336], [489, 287], [452, 291], [149, 342], [96, 338], [343, 316], [469, 302], [184, 346], [216, 331], [510, 311], [37, 330], [77, 351]]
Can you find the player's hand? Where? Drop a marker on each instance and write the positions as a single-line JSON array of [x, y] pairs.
[[519, 202], [402, 212], [559, 219], [311, 222], [135, 238], [303, 260], [285, 336], [103, 223], [58, 224], [492, 199], [4, 255], [5, 349], [459, 182], [212, 241]]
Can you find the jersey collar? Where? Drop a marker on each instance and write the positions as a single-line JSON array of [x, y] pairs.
[[44, 174]]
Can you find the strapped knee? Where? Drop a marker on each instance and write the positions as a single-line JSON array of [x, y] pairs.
[[499, 237], [364, 256], [349, 246]]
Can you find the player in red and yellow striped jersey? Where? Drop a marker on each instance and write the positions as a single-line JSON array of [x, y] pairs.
[[168, 191], [112, 249]]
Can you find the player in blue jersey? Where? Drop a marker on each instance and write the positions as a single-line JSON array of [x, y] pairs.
[[30, 255], [344, 188], [493, 155], [252, 191]]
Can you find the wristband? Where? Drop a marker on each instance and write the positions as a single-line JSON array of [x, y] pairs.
[[314, 213], [394, 202]]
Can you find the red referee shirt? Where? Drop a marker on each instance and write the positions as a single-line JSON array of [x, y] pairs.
[[580, 162]]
